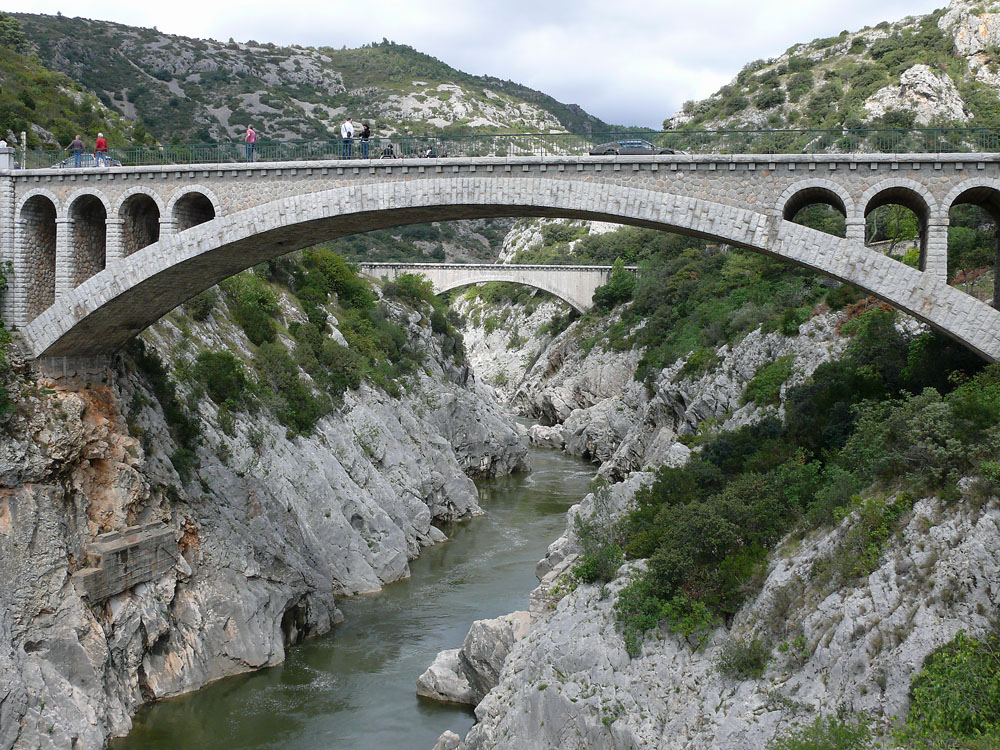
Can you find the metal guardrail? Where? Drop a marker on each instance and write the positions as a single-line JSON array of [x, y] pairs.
[[915, 140]]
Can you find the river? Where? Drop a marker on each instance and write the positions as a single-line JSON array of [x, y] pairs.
[[356, 686]]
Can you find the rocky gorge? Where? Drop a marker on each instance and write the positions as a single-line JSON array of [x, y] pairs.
[[561, 674], [270, 529]]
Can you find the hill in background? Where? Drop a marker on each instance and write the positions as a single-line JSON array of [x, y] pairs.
[[200, 90], [940, 68]]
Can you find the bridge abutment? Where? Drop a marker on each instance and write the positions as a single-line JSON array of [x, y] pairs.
[[81, 372]]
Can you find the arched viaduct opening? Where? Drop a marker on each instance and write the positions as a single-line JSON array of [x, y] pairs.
[[90, 237], [193, 209], [102, 314], [818, 207], [37, 222], [140, 217], [974, 241]]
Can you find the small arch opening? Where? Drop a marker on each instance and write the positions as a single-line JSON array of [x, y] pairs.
[[974, 243], [140, 218], [90, 235], [193, 209], [896, 225], [38, 224]]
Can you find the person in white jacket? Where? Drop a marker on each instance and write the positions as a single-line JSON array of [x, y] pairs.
[[347, 134]]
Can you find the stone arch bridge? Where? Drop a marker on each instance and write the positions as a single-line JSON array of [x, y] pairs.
[[99, 254], [575, 285]]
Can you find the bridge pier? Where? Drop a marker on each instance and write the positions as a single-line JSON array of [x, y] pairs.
[[64, 257], [856, 230], [114, 248], [168, 226], [935, 249]]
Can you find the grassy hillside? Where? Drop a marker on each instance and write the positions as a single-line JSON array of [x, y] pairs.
[[195, 90], [49, 107]]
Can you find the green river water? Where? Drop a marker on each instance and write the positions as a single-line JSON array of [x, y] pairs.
[[355, 688]]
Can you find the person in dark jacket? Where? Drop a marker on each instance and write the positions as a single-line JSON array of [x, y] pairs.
[[366, 133]]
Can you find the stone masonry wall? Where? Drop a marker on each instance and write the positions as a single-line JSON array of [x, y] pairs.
[[121, 559]]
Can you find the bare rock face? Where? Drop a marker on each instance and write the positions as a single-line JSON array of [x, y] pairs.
[[928, 94], [975, 28], [445, 680], [466, 674]]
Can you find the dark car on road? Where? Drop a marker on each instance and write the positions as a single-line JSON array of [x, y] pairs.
[[630, 146]]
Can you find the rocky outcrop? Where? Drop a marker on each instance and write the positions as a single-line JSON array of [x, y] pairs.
[[571, 684], [267, 532], [591, 405], [467, 674], [928, 94]]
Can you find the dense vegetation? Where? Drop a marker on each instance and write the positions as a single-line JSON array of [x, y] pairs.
[[300, 383], [706, 528]]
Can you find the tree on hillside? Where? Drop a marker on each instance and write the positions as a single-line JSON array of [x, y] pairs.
[[11, 34]]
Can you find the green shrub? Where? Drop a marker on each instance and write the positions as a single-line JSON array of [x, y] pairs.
[[598, 537], [638, 609], [292, 401], [184, 429], [223, 376], [743, 659], [828, 733], [619, 289], [860, 552], [700, 360], [956, 695], [201, 305], [254, 305], [412, 287], [765, 388]]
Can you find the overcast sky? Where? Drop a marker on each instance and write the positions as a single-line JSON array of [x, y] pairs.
[[629, 63]]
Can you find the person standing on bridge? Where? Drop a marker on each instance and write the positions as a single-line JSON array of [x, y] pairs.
[[100, 151], [366, 133], [347, 136], [76, 147], [251, 141]]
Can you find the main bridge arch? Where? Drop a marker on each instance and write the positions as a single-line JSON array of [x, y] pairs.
[[103, 313]]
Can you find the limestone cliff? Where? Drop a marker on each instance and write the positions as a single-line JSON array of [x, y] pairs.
[[269, 528]]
